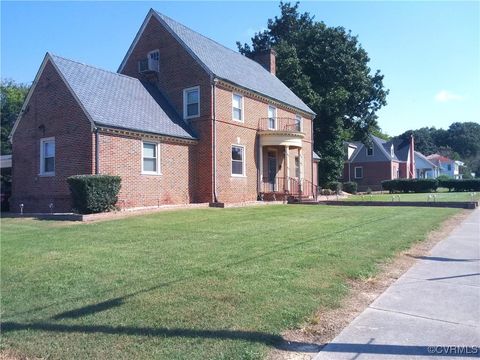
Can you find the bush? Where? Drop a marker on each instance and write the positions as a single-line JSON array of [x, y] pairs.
[[410, 185], [350, 187], [335, 186], [94, 193], [460, 184]]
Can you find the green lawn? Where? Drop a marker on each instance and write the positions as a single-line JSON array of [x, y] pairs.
[[193, 284], [439, 196]]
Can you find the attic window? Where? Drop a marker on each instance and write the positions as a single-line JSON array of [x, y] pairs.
[[191, 102], [370, 151], [151, 63]]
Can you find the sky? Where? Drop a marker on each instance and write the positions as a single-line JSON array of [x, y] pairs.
[[428, 51]]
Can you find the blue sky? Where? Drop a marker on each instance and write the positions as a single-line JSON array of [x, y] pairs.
[[428, 51]]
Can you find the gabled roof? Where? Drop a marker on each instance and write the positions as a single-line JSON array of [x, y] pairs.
[[119, 101], [226, 64], [439, 158], [385, 146], [424, 158]]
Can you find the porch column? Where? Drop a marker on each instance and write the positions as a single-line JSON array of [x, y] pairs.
[[260, 166], [287, 168]]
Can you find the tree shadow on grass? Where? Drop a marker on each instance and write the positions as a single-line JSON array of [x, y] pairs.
[[108, 304], [252, 336]]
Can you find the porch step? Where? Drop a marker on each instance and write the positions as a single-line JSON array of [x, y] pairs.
[[302, 200]]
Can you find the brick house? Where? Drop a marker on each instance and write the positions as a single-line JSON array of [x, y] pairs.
[[184, 120], [368, 165]]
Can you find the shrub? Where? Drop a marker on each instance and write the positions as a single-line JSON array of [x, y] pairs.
[[94, 193], [350, 187], [335, 186], [410, 185], [461, 184]]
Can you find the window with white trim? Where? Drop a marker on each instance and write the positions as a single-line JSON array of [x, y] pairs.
[[47, 156], [238, 160], [237, 107], [191, 102], [150, 158], [272, 117], [298, 123], [370, 151], [358, 172]]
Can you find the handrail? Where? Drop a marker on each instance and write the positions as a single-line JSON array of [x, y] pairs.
[[279, 124]]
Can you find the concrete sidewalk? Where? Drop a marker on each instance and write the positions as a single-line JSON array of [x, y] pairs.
[[434, 305]]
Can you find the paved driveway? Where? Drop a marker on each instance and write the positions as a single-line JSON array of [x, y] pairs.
[[433, 310]]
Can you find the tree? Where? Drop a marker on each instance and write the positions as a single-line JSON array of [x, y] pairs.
[[12, 96], [328, 69], [461, 141]]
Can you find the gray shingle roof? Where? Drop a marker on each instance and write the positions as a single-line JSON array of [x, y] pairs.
[[120, 101], [232, 66]]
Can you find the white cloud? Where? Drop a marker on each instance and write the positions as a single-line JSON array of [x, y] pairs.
[[444, 96]]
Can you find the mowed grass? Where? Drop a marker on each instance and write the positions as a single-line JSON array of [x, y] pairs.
[[439, 196], [193, 284]]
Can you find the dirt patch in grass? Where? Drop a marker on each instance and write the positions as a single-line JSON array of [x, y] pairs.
[[305, 342]]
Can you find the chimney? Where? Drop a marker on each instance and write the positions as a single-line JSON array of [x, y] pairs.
[[267, 59], [412, 157]]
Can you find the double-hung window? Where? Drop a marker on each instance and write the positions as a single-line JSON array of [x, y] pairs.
[[150, 158], [298, 123], [47, 156], [358, 172], [191, 102], [237, 107], [370, 151], [272, 118], [238, 160]]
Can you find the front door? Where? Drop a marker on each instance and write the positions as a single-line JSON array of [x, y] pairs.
[[272, 169]]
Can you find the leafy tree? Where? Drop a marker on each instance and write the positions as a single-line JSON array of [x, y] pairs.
[[12, 96], [328, 69], [461, 141]]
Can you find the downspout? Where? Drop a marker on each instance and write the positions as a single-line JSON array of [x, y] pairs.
[[311, 157], [214, 142], [97, 152]]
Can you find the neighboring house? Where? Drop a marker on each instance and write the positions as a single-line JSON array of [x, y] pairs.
[[184, 120], [6, 183], [425, 169], [369, 165], [446, 166]]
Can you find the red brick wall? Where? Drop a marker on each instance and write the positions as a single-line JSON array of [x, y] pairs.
[[230, 132], [122, 155], [178, 71], [373, 174], [52, 106]]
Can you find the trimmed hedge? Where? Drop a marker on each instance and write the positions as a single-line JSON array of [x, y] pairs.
[[94, 193], [460, 184], [410, 185], [335, 186], [350, 187]]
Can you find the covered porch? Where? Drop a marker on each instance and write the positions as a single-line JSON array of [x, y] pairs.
[[282, 165]]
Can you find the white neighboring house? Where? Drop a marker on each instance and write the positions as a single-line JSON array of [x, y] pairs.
[[5, 161], [424, 168], [446, 166]]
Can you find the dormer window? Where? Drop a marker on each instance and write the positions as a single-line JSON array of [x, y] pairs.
[[370, 151]]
